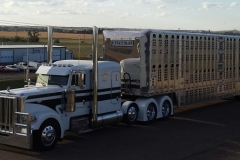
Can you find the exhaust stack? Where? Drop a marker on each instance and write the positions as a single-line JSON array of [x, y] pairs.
[[95, 72], [49, 48]]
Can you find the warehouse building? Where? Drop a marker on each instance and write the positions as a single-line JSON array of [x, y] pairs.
[[37, 53]]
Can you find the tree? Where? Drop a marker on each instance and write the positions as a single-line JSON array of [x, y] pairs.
[[16, 39], [33, 36], [56, 41]]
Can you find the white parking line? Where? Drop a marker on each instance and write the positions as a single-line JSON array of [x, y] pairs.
[[199, 121]]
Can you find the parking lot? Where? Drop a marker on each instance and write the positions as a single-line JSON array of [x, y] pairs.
[[207, 131], [14, 75]]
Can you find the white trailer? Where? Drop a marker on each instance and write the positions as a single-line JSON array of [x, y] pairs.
[[34, 64], [33, 57], [192, 67]]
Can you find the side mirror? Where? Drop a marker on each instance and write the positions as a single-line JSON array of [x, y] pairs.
[[81, 82], [68, 100]]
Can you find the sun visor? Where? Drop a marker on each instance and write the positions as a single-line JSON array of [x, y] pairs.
[[63, 71]]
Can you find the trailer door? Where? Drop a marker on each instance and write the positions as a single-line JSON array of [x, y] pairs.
[[6, 56], [56, 55]]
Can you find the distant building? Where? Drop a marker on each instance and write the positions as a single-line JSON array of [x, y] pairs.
[[37, 53]]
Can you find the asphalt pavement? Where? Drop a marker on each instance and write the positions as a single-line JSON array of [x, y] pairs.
[[210, 131]]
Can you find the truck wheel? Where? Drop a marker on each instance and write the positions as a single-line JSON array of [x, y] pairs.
[[166, 109], [47, 136], [151, 112], [132, 114]]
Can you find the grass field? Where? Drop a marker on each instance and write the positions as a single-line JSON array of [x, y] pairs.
[[72, 42], [13, 83]]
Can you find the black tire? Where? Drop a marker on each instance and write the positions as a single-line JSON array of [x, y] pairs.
[[151, 112], [166, 109], [132, 114], [47, 136]]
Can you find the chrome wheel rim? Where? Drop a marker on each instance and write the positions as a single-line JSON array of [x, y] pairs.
[[151, 112], [48, 135], [132, 114], [165, 109]]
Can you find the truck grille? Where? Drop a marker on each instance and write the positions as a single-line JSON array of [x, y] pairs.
[[14, 124], [8, 108]]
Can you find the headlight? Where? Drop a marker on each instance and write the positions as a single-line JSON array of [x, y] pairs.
[[32, 117], [21, 130]]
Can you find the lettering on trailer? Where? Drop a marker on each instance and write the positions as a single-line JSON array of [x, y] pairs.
[[125, 43]]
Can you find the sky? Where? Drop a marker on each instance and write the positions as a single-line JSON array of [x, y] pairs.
[[211, 15]]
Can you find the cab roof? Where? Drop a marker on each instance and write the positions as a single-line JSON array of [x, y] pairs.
[[64, 67]]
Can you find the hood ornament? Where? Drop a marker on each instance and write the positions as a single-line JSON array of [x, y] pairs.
[[8, 88]]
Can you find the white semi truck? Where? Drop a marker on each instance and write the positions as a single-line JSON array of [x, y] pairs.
[[143, 74]]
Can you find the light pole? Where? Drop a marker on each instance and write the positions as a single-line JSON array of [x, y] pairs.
[[27, 70], [84, 35], [79, 48]]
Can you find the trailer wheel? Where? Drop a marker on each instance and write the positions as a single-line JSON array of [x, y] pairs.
[[151, 112], [47, 136], [166, 109], [132, 114]]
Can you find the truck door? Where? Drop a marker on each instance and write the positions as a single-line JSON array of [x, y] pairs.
[[79, 84], [115, 85]]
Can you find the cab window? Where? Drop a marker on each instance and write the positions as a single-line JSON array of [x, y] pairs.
[[79, 79]]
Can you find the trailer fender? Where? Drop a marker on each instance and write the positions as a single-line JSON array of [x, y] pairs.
[[42, 113], [160, 100], [142, 105]]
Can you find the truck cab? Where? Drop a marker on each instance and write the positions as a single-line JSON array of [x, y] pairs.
[[61, 99]]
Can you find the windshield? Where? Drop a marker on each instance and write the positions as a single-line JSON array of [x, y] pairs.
[[45, 79]]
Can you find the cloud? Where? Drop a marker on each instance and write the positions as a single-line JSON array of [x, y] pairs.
[[106, 4], [160, 6], [233, 4], [208, 5], [58, 12], [147, 1], [7, 12], [154, 15], [147, 15], [106, 11], [157, 1], [125, 15], [32, 3], [183, 8], [100, 0], [8, 3], [43, 12], [171, 1], [161, 14]]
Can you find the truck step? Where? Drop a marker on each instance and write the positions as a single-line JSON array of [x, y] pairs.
[[84, 131]]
